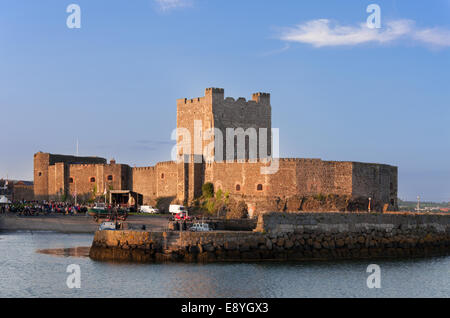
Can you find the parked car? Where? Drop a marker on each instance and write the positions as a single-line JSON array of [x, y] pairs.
[[182, 216], [200, 227], [107, 226], [175, 209], [148, 209]]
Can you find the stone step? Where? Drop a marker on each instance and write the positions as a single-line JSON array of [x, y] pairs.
[[172, 242]]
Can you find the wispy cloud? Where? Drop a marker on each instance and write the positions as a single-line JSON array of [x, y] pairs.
[[167, 5], [435, 36], [323, 32], [277, 51]]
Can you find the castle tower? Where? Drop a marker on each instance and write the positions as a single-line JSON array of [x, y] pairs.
[[214, 128], [41, 163], [51, 173]]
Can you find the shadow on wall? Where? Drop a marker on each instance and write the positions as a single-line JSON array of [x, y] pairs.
[[163, 203], [315, 203]]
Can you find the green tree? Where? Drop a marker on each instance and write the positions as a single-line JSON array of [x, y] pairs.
[[208, 190]]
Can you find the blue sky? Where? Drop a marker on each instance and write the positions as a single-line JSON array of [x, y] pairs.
[[338, 92]]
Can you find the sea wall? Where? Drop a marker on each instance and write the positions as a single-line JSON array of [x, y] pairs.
[[276, 223], [287, 236], [176, 246]]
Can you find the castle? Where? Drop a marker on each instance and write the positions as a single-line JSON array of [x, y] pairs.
[[239, 174]]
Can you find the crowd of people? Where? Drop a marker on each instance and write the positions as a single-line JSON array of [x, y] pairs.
[[39, 208]]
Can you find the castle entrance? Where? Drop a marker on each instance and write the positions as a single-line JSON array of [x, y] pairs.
[[125, 198]]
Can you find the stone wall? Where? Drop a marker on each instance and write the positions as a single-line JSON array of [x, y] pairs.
[[380, 182], [155, 182], [174, 246], [85, 178], [294, 177], [346, 186], [240, 113], [22, 192], [46, 181], [350, 183], [288, 236], [275, 223], [166, 179], [143, 182]]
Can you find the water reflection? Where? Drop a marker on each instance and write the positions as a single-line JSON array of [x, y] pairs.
[[82, 251]]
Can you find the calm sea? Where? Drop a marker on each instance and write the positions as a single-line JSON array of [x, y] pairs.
[[26, 273]]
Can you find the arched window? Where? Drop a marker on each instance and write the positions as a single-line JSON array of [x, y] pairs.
[[92, 179], [70, 180], [40, 174], [162, 175], [238, 187], [259, 187], [110, 178]]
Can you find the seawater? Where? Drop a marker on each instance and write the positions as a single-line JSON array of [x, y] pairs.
[[24, 272]]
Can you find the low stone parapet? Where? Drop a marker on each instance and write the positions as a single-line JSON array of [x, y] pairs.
[[276, 222]]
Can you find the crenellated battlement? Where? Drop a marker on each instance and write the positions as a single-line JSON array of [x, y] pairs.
[[213, 90], [218, 95], [163, 163], [143, 168], [261, 98], [166, 163], [83, 165], [193, 100]]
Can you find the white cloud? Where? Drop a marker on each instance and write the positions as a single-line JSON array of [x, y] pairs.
[[323, 32], [167, 5], [435, 36]]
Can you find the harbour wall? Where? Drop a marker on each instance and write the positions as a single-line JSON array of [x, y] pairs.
[[287, 236]]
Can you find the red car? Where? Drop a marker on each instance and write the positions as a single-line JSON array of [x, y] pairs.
[[182, 216]]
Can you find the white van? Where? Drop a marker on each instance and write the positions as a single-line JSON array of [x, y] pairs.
[[175, 209], [148, 209]]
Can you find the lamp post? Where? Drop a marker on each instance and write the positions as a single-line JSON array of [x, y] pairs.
[[370, 204]]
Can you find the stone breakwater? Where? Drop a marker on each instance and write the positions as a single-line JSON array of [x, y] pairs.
[[287, 236]]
